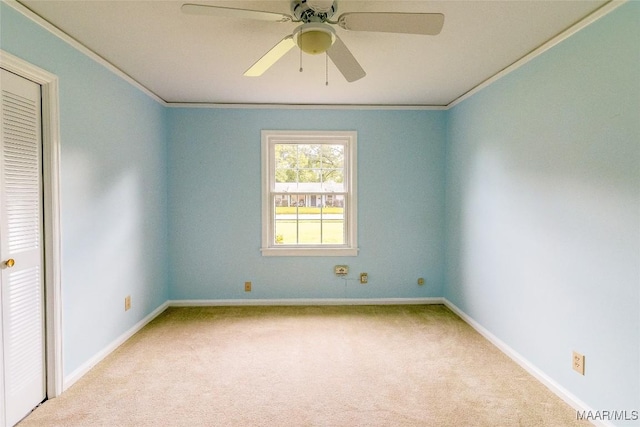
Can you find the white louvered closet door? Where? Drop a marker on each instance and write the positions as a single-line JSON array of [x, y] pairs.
[[23, 345]]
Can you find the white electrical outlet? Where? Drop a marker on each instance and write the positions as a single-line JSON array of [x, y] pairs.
[[578, 363]]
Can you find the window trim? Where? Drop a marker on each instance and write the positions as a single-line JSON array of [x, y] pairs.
[[350, 248]]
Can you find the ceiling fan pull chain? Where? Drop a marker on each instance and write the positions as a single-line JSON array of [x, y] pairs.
[[300, 54], [326, 69]]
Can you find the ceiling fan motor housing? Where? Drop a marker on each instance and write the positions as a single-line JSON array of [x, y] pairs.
[[313, 10]]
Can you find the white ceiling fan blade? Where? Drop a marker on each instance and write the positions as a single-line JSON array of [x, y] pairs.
[[227, 12], [345, 61], [271, 57], [428, 24]]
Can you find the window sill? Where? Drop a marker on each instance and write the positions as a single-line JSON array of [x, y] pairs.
[[309, 251]]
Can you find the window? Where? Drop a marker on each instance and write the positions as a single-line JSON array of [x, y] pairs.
[[309, 204]]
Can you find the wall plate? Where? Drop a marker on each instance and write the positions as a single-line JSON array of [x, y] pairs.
[[341, 270]]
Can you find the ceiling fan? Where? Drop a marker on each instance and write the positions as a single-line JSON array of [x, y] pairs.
[[316, 35]]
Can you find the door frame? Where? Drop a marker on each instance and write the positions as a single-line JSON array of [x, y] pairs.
[[51, 216]]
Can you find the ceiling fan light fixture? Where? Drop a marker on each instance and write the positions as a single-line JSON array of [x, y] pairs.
[[313, 38], [314, 42]]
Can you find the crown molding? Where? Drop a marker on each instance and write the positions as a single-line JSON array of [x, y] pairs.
[[586, 21], [304, 106], [80, 47]]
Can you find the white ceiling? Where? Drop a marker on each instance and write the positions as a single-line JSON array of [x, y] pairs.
[[201, 59]]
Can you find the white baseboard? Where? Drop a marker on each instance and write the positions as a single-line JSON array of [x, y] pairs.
[[552, 385], [70, 379], [303, 301]]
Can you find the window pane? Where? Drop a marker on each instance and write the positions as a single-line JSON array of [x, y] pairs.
[[286, 175], [310, 175], [333, 231], [286, 232], [309, 156], [333, 180], [309, 229], [286, 156], [286, 219], [332, 156], [333, 219], [334, 200], [317, 200]]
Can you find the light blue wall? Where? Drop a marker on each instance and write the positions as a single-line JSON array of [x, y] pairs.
[[113, 192], [215, 202], [543, 210]]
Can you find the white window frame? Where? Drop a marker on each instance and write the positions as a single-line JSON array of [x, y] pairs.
[[272, 137]]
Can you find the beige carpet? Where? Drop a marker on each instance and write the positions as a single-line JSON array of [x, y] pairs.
[[306, 366]]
